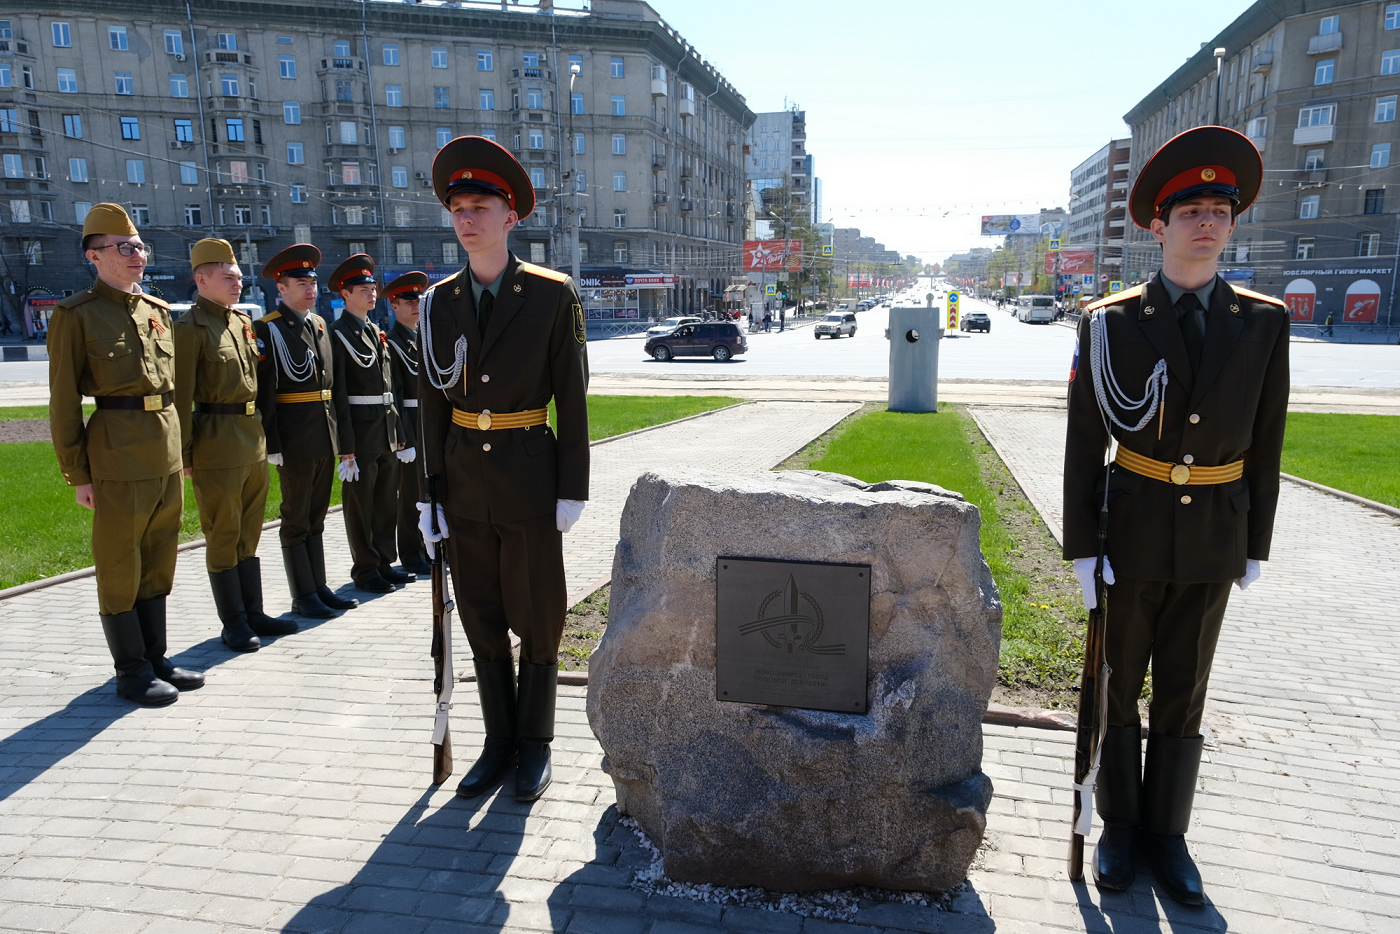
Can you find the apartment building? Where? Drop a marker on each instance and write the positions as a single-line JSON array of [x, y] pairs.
[[1098, 202], [270, 124], [777, 157], [1315, 86]]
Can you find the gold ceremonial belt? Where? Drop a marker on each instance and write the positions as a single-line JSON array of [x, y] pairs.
[[486, 420], [1180, 474], [320, 396]]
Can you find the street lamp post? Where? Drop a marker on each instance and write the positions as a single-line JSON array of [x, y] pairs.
[[574, 70], [1219, 60]]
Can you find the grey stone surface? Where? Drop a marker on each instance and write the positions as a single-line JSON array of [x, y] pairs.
[[788, 799]]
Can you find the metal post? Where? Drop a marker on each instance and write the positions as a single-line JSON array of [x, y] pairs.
[[1219, 59]]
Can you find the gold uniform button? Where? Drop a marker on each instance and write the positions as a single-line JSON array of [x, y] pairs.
[[1186, 501], [1188, 459], [486, 377], [1194, 418], [110, 354], [486, 447]]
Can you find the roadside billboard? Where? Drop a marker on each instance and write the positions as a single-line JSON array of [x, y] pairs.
[[1362, 301], [772, 255], [1001, 225], [1300, 296], [1069, 262]]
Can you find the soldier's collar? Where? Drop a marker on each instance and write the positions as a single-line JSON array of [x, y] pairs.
[[107, 290]]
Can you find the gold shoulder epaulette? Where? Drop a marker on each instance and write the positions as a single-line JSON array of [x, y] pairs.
[[159, 302], [1259, 296], [78, 298], [270, 316], [1116, 297], [544, 272], [442, 282]]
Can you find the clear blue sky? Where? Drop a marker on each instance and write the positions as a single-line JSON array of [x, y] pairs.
[[922, 116]]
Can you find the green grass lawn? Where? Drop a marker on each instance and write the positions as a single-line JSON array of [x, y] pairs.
[[44, 532], [13, 412], [1355, 453]]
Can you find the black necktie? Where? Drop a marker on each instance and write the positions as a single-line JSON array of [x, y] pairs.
[[483, 310], [1192, 318]]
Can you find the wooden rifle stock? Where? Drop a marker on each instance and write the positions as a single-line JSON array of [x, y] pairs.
[[441, 647], [1093, 708]]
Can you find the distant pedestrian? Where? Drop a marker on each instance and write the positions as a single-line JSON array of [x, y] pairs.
[[767, 321], [1327, 325]]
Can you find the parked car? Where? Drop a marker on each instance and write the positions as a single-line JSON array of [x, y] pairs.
[[835, 324], [670, 324], [721, 340], [976, 321]]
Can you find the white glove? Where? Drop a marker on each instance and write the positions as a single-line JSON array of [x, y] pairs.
[[275, 460], [566, 513], [406, 455], [1252, 570], [425, 528], [1084, 570], [348, 470]]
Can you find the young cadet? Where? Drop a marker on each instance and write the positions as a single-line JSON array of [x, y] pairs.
[[295, 377], [404, 295], [501, 338], [1191, 492], [223, 450], [367, 414], [113, 342]]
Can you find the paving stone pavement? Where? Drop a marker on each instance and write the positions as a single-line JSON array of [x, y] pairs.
[[291, 793]]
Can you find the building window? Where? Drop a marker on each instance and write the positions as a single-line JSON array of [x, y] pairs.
[[184, 131], [345, 92], [174, 42], [67, 81], [296, 154], [393, 95], [291, 112], [398, 176], [538, 252], [396, 138], [1390, 62], [1368, 244], [617, 70], [122, 83], [619, 181], [446, 218], [238, 172], [194, 216], [228, 85], [581, 183], [619, 144], [391, 54], [486, 99], [619, 217], [483, 61], [536, 138], [242, 214], [439, 57], [534, 99], [140, 214], [77, 170], [301, 233], [340, 48], [403, 216], [19, 211], [1375, 201], [355, 216], [575, 60], [620, 251], [1304, 248], [576, 103], [80, 210], [537, 178], [580, 146], [1307, 208], [1392, 16], [1242, 251], [9, 120], [73, 125], [1313, 162], [62, 38], [1327, 26], [619, 105], [1380, 155], [403, 252], [287, 66], [116, 38], [349, 173], [233, 127], [14, 165], [1324, 71], [298, 193], [348, 133], [442, 98], [228, 42], [189, 173], [179, 86], [449, 252], [1385, 109], [444, 136], [131, 129], [136, 171], [1321, 115], [33, 250]]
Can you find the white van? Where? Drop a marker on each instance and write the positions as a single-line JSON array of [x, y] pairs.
[[1036, 309]]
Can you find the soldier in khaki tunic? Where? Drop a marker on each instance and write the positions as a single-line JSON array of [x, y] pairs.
[[113, 342], [1191, 492], [500, 339], [216, 383], [295, 377], [404, 295], [366, 407]]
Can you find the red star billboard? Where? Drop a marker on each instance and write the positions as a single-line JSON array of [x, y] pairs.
[[772, 255]]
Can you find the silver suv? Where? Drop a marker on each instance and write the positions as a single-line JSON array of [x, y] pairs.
[[836, 324]]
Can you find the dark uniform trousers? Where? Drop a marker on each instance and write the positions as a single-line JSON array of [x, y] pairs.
[[306, 495], [404, 357], [135, 531], [371, 504], [231, 504], [410, 540]]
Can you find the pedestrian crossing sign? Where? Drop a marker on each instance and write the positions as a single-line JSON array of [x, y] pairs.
[[1115, 286], [770, 290], [828, 249]]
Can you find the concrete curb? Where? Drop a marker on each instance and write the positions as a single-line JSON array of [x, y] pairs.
[[1343, 494], [21, 353], [677, 421]]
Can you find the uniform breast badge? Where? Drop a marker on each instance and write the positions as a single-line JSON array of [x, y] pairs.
[[580, 329]]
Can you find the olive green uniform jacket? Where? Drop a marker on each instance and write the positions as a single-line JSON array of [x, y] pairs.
[[216, 360]]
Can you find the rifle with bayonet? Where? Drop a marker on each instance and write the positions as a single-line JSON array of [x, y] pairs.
[[442, 645], [1093, 705]]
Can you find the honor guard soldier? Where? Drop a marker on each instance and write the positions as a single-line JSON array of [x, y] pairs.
[[295, 378], [366, 411], [1190, 494], [114, 343], [501, 338], [216, 390], [404, 295]]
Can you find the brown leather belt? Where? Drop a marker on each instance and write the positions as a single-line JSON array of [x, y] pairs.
[[323, 395], [487, 420], [1179, 474], [227, 408], [145, 403]]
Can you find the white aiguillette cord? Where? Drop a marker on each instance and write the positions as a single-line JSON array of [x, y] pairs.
[[440, 378], [408, 364], [365, 362], [1106, 389], [302, 371]]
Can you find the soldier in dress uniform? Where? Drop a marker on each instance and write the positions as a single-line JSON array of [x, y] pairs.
[[366, 408], [404, 295], [114, 343], [216, 389], [1191, 492], [501, 338], [295, 378]]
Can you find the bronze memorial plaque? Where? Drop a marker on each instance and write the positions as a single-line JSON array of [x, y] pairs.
[[792, 633]]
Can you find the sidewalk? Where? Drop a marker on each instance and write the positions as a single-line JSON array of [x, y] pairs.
[[291, 793]]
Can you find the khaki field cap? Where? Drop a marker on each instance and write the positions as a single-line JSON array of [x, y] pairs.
[[108, 219], [210, 250]]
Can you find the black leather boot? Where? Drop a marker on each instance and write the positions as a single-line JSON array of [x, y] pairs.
[[373, 583], [397, 577], [1117, 794], [136, 679], [228, 600], [495, 687], [250, 584], [1168, 789], [151, 613], [417, 565], [305, 602], [538, 684], [316, 553]]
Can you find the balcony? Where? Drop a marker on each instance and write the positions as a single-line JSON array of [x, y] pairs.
[[350, 151], [687, 205], [219, 103], [1310, 135], [342, 109], [339, 65], [1263, 62], [658, 87], [1259, 142], [686, 107], [541, 73], [658, 161], [15, 47], [223, 57], [659, 197], [1319, 45]]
